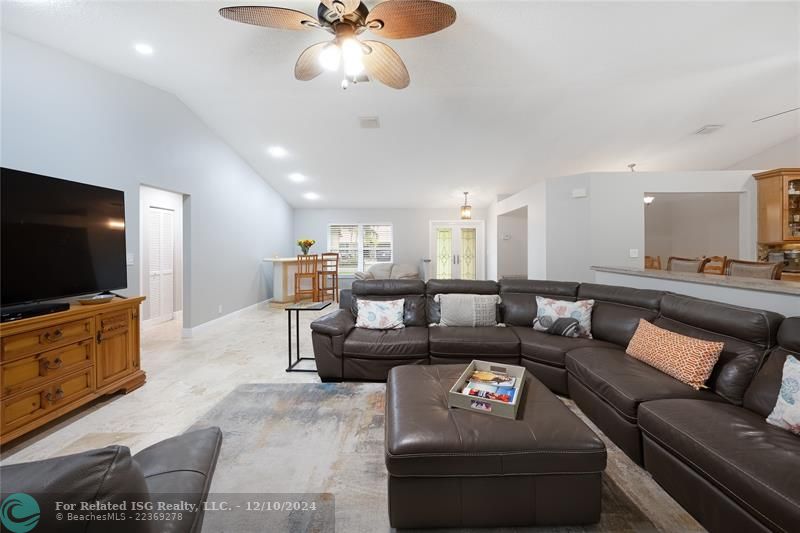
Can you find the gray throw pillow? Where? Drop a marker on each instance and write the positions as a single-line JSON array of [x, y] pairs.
[[470, 310]]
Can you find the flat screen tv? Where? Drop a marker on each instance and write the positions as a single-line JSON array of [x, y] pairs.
[[58, 238]]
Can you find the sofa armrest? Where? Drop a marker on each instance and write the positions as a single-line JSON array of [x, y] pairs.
[[338, 323], [194, 451]]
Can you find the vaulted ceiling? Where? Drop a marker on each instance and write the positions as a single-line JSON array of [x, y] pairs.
[[512, 92]]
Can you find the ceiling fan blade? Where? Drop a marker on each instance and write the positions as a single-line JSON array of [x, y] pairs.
[[403, 19], [270, 17], [343, 7], [308, 66], [384, 65]]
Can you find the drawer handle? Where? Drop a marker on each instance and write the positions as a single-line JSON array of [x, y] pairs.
[[52, 336], [54, 397], [55, 365]]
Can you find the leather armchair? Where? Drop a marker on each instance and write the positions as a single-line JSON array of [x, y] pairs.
[[176, 469]]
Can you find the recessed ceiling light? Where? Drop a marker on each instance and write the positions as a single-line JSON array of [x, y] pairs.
[[297, 177], [311, 196], [278, 152], [143, 48]]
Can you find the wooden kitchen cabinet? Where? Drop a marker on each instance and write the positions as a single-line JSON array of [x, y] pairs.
[[778, 205]]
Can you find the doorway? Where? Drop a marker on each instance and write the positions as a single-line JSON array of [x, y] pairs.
[[458, 249], [161, 224]]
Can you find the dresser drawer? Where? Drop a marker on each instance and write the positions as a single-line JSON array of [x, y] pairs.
[[26, 407], [35, 370], [39, 340]]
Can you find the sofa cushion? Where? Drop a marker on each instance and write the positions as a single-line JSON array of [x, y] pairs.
[[375, 314], [786, 413], [735, 450], [449, 286], [551, 349], [617, 310], [763, 392], [412, 291], [684, 358], [409, 342], [470, 310], [747, 334], [561, 317], [466, 342], [624, 382], [519, 298]]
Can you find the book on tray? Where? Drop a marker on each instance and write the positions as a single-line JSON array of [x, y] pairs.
[[491, 385]]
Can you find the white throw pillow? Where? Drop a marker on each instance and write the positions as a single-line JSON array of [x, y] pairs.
[[470, 310], [375, 314], [786, 413], [568, 319]]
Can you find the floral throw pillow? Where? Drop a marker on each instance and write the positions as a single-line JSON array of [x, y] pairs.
[[386, 314], [568, 319], [786, 413]]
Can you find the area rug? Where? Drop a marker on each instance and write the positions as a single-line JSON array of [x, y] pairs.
[[324, 443]]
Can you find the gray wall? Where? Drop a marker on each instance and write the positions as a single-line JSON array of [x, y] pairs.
[[512, 244], [410, 227], [69, 119], [692, 225]]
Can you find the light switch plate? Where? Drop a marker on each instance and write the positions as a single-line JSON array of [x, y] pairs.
[[634, 252], [579, 193], [129, 259]]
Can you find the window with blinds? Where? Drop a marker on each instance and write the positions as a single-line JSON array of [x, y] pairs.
[[360, 245]]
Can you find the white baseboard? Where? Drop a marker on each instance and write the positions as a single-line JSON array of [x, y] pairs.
[[187, 333]]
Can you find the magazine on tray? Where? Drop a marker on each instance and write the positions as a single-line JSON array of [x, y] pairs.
[[491, 385]]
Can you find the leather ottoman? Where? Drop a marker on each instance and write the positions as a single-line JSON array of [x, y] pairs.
[[457, 468]]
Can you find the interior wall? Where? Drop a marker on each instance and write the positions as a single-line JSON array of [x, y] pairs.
[[512, 242], [69, 119], [153, 197], [785, 154], [578, 221], [411, 227], [692, 225]]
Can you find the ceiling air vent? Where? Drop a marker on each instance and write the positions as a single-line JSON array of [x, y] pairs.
[[708, 129], [369, 123]]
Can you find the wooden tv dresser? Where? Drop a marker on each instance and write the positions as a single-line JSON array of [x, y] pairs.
[[53, 364]]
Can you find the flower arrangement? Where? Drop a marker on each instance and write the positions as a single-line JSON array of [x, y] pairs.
[[306, 244]]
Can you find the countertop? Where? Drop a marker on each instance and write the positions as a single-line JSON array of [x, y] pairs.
[[753, 284], [280, 259]]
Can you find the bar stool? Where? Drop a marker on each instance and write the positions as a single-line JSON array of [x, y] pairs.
[[328, 272], [715, 265], [753, 269], [306, 269]]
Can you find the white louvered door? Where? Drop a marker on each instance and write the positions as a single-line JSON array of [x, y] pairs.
[[161, 235]]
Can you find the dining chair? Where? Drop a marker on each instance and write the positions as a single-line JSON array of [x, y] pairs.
[[715, 265], [652, 262], [753, 269], [306, 270], [328, 276], [685, 264]]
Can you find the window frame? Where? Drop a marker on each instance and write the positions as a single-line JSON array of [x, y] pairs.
[[360, 242]]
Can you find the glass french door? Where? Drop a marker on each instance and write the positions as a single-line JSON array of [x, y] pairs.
[[457, 250]]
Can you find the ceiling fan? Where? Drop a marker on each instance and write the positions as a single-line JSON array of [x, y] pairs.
[[346, 20]]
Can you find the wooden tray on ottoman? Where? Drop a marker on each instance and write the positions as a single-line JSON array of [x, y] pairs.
[[455, 398]]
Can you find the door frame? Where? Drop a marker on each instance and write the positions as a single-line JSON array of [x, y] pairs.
[[480, 236]]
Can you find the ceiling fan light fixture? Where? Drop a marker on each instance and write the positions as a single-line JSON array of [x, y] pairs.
[[331, 57], [353, 57]]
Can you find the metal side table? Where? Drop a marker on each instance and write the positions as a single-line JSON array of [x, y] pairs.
[[319, 306]]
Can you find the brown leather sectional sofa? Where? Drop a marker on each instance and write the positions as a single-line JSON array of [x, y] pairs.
[[712, 449]]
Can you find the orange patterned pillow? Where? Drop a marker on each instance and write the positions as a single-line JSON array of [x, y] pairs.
[[684, 358]]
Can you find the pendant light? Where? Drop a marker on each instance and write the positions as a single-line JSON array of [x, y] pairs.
[[466, 209]]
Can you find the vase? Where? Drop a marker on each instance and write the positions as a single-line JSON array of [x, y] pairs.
[[304, 250]]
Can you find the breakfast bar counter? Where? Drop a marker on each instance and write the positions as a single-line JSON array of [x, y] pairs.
[[774, 295]]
